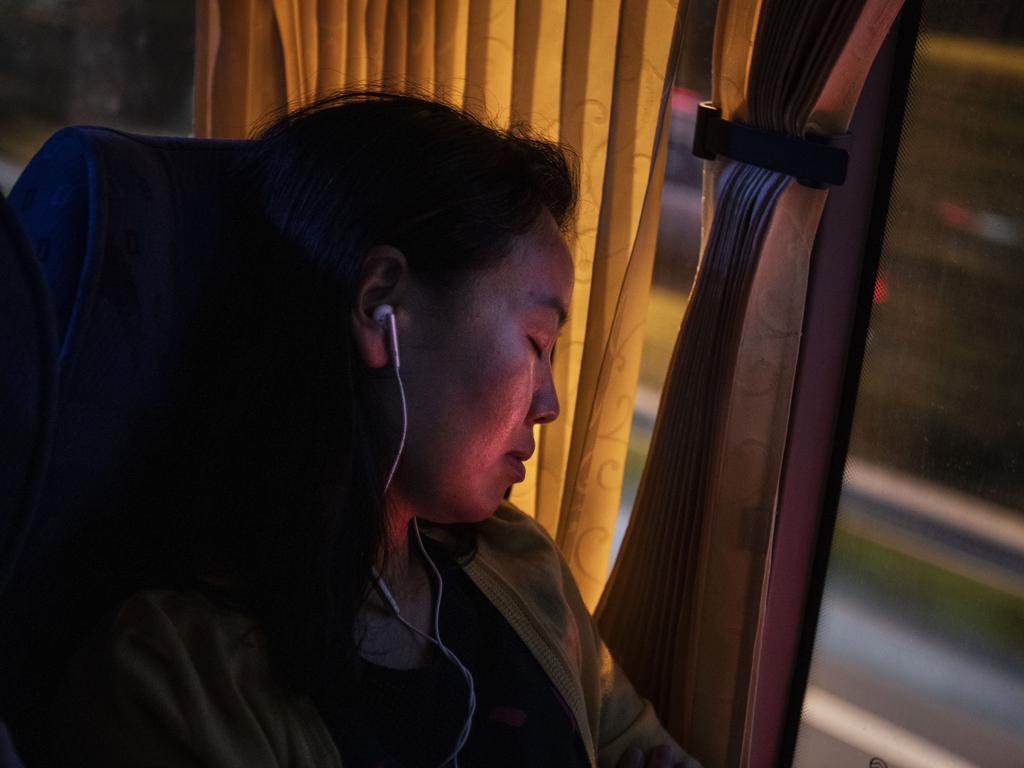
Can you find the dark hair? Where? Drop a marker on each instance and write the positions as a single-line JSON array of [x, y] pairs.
[[290, 455]]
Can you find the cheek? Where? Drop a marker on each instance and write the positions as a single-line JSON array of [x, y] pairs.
[[508, 405], [499, 400]]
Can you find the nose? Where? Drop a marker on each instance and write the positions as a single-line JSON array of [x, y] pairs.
[[544, 407]]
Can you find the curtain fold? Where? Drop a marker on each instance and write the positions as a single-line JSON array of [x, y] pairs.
[[233, 38], [620, 284], [590, 75], [699, 542]]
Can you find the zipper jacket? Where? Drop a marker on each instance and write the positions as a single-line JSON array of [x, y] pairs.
[[175, 681]]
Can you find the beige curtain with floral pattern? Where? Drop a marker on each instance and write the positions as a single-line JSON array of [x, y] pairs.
[[590, 75]]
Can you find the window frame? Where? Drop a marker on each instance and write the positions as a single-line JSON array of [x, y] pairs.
[[844, 266]]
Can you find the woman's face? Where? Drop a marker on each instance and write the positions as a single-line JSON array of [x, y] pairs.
[[477, 375]]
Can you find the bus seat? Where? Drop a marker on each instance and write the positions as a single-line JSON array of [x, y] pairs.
[[130, 232], [28, 349], [28, 379]]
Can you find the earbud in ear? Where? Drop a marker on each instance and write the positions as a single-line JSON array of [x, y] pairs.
[[385, 315]]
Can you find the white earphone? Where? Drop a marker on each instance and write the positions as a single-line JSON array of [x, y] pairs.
[[384, 315]]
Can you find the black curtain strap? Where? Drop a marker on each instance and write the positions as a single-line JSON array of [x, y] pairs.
[[814, 161]]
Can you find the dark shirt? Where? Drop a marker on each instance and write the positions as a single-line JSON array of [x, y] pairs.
[[412, 718]]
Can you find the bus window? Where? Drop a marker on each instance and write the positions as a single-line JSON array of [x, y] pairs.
[[125, 65], [919, 651]]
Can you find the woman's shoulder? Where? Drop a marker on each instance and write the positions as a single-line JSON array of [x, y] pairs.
[[179, 643], [170, 671], [190, 644], [192, 618]]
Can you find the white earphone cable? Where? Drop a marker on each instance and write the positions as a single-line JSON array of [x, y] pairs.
[[452, 758], [396, 364], [466, 674]]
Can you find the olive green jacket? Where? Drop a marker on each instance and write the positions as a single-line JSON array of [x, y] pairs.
[[176, 681]]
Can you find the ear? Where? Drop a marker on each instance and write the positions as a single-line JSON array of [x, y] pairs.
[[382, 280]]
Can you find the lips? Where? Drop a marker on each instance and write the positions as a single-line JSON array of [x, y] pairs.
[[516, 466], [515, 459]]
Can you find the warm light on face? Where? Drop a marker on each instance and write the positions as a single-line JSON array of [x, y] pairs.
[[478, 378]]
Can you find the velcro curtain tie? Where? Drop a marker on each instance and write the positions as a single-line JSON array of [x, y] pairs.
[[814, 160]]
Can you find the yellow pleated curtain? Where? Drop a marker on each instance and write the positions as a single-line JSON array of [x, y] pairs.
[[591, 75]]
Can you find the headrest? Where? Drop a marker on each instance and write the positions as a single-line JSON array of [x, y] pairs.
[[118, 222], [130, 232]]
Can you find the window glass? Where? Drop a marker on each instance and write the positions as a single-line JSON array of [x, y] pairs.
[[678, 246], [122, 63], [919, 652]]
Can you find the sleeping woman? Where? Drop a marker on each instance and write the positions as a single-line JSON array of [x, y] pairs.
[[350, 586]]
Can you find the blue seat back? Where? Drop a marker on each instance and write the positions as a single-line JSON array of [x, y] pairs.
[[131, 234], [28, 384]]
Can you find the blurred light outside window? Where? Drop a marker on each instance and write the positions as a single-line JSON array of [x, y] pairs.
[[678, 246], [919, 652], [125, 64]]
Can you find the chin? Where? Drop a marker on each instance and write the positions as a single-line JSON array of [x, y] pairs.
[[467, 510], [478, 514]]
